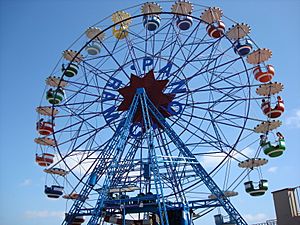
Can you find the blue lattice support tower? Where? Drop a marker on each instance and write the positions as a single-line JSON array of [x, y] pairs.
[[124, 133], [152, 156], [198, 168], [76, 208], [117, 143]]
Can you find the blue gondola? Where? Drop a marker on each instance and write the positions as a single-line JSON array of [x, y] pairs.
[[151, 22], [243, 47], [54, 191], [184, 22]]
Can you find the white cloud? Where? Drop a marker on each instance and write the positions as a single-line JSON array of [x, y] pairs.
[[212, 160], [294, 120], [26, 182], [79, 162], [43, 214], [256, 218], [273, 169], [240, 155]]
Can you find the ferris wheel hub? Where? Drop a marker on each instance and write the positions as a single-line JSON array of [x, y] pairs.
[[154, 90]]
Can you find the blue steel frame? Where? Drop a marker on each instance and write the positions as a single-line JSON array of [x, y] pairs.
[[118, 143]]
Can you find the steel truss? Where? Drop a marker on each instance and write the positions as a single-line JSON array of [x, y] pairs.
[[116, 148]]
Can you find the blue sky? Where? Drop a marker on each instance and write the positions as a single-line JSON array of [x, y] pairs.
[[33, 35]]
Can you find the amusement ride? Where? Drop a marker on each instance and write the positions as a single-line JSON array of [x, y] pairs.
[[156, 115]]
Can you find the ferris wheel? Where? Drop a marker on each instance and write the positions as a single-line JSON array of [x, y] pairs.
[[156, 115]]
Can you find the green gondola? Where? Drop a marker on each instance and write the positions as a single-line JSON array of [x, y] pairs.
[[273, 151], [55, 96], [71, 70], [262, 188]]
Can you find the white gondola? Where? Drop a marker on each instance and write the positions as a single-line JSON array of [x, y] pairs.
[[93, 48], [183, 22], [97, 36], [152, 21]]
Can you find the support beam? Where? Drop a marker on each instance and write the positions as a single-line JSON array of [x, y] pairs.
[[198, 168], [117, 144]]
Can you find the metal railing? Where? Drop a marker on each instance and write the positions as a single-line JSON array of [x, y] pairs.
[[268, 222]]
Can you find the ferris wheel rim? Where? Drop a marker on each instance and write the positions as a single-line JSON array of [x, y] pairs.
[[174, 122], [188, 116]]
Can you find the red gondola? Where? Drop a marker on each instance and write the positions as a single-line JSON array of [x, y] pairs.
[[264, 75], [273, 112], [216, 29], [44, 128], [45, 159]]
